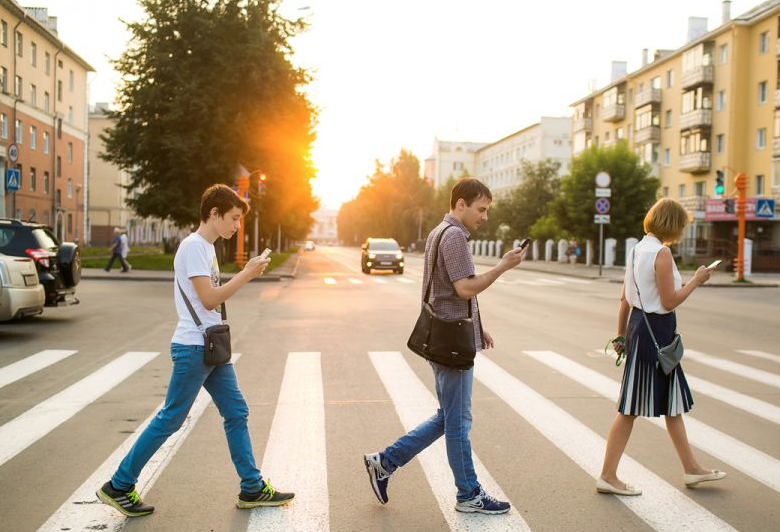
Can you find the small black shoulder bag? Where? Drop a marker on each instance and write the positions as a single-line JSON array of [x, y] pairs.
[[216, 348]]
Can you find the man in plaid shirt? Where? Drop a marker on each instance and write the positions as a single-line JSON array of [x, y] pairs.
[[455, 287]]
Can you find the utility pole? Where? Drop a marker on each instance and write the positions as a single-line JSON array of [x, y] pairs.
[[740, 181], [242, 182]]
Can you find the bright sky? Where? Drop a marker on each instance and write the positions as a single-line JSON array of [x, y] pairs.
[[395, 74]]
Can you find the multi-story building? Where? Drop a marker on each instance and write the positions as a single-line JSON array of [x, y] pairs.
[[325, 229], [450, 159], [713, 104], [43, 119], [499, 164]]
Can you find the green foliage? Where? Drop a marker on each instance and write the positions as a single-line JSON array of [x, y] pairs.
[[207, 86], [633, 193], [545, 228]]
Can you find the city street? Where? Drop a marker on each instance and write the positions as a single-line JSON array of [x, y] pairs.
[[323, 363]]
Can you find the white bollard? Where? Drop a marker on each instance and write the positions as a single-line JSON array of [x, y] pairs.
[[610, 252], [491, 249], [589, 253], [562, 245], [499, 248], [535, 250], [548, 250]]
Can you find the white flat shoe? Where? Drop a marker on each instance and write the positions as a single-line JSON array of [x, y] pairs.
[[602, 486], [693, 480]]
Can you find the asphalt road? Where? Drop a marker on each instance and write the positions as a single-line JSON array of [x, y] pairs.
[[324, 366]]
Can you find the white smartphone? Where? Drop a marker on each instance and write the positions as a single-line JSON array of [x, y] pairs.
[[714, 264], [265, 253]]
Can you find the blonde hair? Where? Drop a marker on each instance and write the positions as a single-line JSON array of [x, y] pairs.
[[666, 220]]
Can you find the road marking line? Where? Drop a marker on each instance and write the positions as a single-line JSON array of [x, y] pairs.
[[405, 280], [758, 375], [662, 506], [27, 366], [83, 510], [23, 431], [354, 281], [551, 282], [753, 462], [414, 404], [296, 453], [760, 354], [349, 266], [379, 280], [329, 280]]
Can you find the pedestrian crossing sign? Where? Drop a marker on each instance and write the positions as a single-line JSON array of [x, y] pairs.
[[765, 208], [12, 179]]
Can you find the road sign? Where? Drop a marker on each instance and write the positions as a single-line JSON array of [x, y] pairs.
[[601, 218], [603, 179], [602, 205], [765, 208], [12, 176], [13, 152], [603, 192]]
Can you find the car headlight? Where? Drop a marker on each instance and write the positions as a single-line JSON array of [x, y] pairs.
[[399, 255], [372, 255]]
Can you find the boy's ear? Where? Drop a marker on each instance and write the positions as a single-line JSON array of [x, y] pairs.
[[214, 212]]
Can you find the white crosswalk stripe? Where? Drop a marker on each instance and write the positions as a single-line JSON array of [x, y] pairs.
[[760, 354], [23, 431], [28, 366], [742, 370]]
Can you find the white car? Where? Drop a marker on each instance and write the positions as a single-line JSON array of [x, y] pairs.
[[21, 294], [308, 246]]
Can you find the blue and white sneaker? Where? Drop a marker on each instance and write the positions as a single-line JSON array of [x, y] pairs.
[[483, 504], [378, 475]]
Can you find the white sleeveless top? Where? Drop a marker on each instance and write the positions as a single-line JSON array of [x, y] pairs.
[[646, 251]]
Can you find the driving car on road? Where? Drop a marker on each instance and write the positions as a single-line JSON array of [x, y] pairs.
[[21, 295], [381, 254], [58, 264], [308, 246]]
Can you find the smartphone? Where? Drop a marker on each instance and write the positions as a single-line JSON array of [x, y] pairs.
[[714, 264], [524, 243], [265, 253]]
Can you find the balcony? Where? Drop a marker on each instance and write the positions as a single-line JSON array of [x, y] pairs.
[[776, 147], [697, 76], [648, 134], [646, 97], [614, 113], [583, 124], [697, 118], [695, 163]]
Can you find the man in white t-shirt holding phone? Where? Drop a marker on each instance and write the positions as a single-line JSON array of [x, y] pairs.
[[197, 273]]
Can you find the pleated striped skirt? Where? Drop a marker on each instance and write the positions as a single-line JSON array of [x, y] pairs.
[[646, 390]]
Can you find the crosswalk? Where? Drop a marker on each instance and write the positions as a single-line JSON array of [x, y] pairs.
[[299, 445], [333, 280]]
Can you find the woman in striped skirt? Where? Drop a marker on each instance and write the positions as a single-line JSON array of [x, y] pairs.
[[646, 390]]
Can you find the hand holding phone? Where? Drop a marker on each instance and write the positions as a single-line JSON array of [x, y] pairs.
[[714, 264], [524, 243], [265, 253]]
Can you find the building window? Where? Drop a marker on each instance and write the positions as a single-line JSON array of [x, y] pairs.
[[59, 90], [21, 175], [70, 116], [723, 54], [46, 218], [666, 192], [667, 157], [33, 54], [46, 142], [18, 87], [32, 215], [18, 133], [33, 179], [681, 191], [59, 166], [19, 44], [668, 118], [46, 182], [71, 81], [4, 79], [762, 92], [70, 223], [669, 79], [720, 104], [720, 143], [70, 152], [33, 95], [4, 125], [47, 63], [70, 187], [33, 137], [700, 188], [4, 33], [46, 102], [761, 138], [763, 43], [760, 185]]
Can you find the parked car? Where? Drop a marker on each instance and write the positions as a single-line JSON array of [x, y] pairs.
[[21, 295], [381, 254], [308, 246], [58, 264]]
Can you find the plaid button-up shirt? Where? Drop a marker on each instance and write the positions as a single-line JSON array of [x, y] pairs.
[[454, 263]]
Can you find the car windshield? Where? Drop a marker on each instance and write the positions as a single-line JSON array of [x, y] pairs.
[[383, 246]]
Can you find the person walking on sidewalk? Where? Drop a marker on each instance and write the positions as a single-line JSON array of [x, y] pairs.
[[455, 285], [197, 275], [652, 283], [116, 252], [125, 249]]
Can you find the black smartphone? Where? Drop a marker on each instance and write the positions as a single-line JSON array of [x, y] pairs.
[[524, 243]]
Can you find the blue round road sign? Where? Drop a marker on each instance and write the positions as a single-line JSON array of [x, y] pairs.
[[602, 205]]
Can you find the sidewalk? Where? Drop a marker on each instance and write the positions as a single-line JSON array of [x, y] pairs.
[[286, 270], [616, 274]]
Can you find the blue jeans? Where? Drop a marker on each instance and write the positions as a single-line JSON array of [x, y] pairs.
[[189, 374], [453, 420]]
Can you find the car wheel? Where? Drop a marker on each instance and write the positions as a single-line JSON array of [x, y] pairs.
[[367, 271], [71, 267]]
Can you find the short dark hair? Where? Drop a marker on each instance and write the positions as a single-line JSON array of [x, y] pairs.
[[223, 198], [469, 189]]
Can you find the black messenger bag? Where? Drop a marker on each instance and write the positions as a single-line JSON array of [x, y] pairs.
[[216, 347]]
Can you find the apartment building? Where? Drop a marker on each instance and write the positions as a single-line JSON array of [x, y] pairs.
[[713, 104], [499, 163], [43, 119], [450, 159]]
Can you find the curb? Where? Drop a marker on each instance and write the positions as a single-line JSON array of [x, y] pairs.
[[271, 278]]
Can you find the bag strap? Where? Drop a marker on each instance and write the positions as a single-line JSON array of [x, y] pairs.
[[644, 315], [433, 268], [192, 310]]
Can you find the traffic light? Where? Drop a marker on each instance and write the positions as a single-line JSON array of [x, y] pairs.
[[261, 182], [719, 182], [729, 203]]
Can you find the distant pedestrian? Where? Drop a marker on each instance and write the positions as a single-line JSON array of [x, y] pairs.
[[454, 290], [116, 252], [573, 252], [125, 249], [652, 283], [196, 273]]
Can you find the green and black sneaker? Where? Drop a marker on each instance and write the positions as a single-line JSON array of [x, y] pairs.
[[127, 502], [268, 496]]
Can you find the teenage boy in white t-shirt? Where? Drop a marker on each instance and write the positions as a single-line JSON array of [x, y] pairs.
[[197, 272]]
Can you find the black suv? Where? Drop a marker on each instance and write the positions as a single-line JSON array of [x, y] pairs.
[[59, 265], [381, 254]]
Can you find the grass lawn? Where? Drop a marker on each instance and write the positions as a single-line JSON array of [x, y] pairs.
[[149, 258]]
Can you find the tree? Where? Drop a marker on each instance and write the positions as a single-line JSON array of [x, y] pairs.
[[207, 88], [633, 191]]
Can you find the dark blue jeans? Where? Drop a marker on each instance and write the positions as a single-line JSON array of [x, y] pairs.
[[122, 261]]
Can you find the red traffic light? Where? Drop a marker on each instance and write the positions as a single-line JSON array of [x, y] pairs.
[[262, 178]]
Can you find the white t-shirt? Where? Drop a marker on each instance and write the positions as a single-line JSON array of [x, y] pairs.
[[646, 252], [125, 247], [196, 257]]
